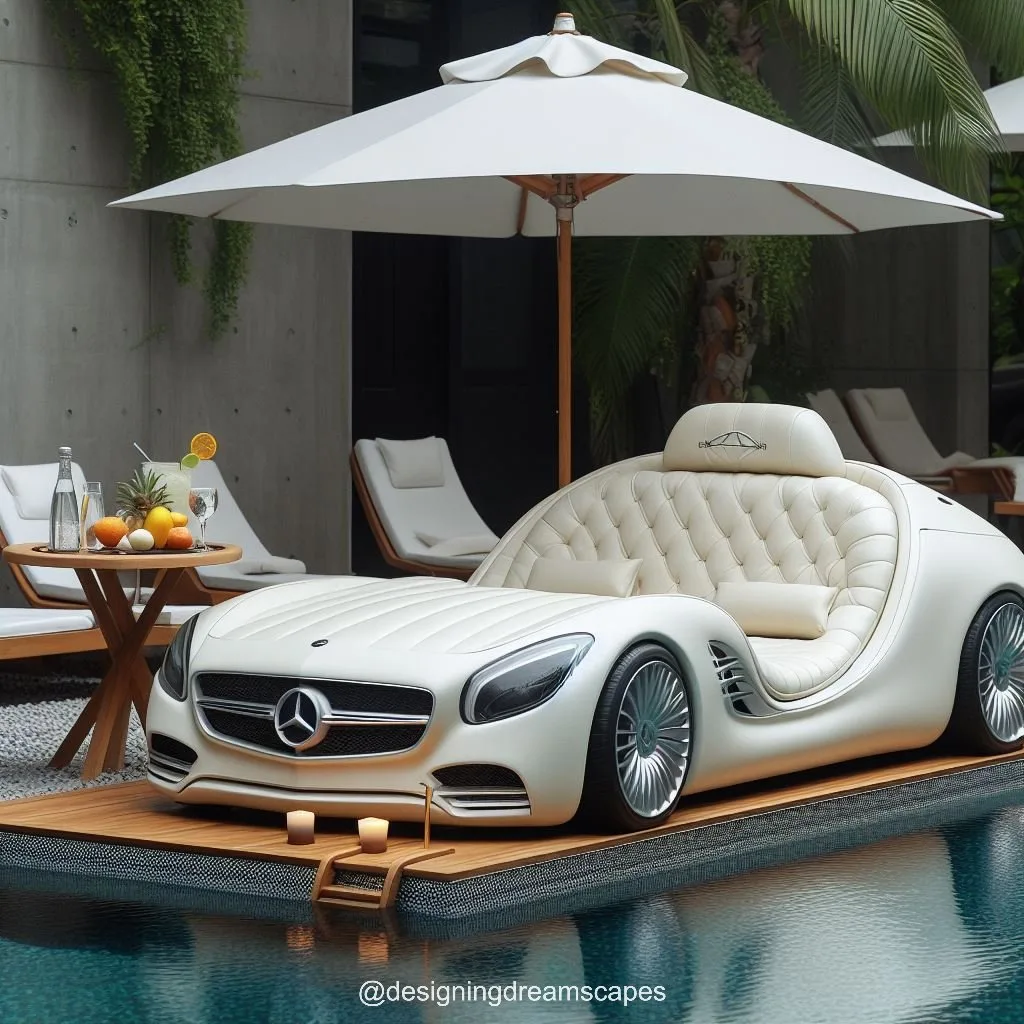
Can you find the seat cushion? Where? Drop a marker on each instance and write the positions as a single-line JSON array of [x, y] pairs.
[[794, 611], [569, 576], [228, 577], [413, 463], [38, 621]]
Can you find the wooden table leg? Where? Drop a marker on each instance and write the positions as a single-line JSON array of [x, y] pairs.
[[128, 678]]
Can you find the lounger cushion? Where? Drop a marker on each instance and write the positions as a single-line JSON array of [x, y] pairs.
[[733, 437], [569, 576], [829, 406], [794, 611], [268, 565], [413, 463], [32, 488], [893, 430], [410, 513], [173, 614], [38, 621], [227, 577], [478, 545]]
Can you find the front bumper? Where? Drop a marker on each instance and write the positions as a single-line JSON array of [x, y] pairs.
[[546, 747]]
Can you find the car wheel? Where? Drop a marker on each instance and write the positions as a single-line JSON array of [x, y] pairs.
[[988, 714], [639, 743]]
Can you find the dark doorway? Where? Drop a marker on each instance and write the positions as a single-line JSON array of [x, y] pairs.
[[453, 337]]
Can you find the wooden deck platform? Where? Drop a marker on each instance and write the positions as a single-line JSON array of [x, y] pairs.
[[134, 815]]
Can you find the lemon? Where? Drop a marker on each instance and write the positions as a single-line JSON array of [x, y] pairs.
[[204, 446], [159, 522], [179, 519]]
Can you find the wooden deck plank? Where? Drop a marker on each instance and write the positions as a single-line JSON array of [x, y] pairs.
[[135, 814]]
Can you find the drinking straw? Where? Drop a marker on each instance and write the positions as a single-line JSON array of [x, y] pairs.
[[81, 523], [141, 452]]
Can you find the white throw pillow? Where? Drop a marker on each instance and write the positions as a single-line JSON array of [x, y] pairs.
[[791, 611], [451, 547], [569, 576], [413, 463]]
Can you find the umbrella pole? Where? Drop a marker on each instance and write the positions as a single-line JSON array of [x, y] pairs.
[[564, 347]]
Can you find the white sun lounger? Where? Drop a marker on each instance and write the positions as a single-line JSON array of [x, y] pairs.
[[891, 428], [420, 514], [257, 567], [30, 632]]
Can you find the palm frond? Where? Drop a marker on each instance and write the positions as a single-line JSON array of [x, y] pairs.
[[993, 30], [906, 60], [831, 109], [600, 18], [682, 50]]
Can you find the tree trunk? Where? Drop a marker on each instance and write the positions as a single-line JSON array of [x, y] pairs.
[[729, 326]]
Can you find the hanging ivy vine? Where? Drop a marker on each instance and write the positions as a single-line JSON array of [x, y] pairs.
[[178, 65]]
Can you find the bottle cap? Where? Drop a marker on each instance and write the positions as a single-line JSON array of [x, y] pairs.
[[64, 450]]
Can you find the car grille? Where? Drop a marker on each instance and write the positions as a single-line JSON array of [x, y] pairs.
[[477, 776], [365, 718]]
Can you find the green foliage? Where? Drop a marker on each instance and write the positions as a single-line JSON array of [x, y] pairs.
[[630, 295], [1007, 291], [178, 65], [991, 29]]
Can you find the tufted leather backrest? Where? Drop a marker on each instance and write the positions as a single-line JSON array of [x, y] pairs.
[[695, 530]]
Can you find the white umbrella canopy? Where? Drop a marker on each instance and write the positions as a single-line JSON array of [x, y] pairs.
[[606, 137], [1006, 102]]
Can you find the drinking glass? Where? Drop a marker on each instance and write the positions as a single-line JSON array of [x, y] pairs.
[[176, 480], [93, 514], [203, 503]]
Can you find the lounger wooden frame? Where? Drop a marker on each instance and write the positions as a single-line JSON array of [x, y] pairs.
[[380, 535]]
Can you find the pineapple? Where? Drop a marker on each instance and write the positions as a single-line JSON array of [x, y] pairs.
[[135, 498]]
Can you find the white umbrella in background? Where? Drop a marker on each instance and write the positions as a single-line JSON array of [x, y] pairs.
[[1006, 102], [556, 135]]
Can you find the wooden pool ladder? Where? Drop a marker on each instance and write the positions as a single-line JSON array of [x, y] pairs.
[[356, 897]]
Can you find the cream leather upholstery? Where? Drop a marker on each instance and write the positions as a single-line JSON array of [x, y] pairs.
[[695, 529]]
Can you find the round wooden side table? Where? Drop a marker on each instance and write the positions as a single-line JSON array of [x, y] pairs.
[[128, 680]]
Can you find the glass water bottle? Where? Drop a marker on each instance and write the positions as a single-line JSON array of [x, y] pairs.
[[64, 526]]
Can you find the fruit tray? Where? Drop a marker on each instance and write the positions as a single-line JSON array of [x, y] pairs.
[[156, 551]]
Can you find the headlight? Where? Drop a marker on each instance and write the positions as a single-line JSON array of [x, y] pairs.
[[174, 671], [522, 680]]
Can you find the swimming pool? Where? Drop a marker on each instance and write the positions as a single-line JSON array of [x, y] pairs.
[[925, 927]]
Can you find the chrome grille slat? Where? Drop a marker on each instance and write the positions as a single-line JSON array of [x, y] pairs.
[[365, 718]]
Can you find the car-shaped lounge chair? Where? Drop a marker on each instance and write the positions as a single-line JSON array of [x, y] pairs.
[[744, 604], [418, 510], [888, 423]]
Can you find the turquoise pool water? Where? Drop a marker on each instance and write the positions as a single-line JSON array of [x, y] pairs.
[[927, 927]]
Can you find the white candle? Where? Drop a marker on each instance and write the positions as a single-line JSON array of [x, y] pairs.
[[373, 835], [300, 827]]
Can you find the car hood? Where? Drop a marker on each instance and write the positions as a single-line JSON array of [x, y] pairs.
[[418, 616]]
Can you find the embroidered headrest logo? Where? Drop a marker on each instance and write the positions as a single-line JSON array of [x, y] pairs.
[[734, 439]]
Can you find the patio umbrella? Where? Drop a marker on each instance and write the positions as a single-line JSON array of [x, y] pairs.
[[1006, 102], [556, 135]]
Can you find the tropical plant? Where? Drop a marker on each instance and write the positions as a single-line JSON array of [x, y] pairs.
[[866, 65], [178, 65]]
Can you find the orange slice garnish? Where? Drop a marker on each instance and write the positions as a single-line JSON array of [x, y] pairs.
[[203, 446]]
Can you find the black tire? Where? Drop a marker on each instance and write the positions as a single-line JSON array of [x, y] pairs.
[[970, 727], [605, 803]]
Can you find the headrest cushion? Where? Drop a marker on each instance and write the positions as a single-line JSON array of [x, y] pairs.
[[738, 437]]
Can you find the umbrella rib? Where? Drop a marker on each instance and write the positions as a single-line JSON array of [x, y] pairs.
[[535, 183], [820, 207]]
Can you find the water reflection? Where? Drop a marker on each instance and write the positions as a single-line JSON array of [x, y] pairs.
[[921, 928]]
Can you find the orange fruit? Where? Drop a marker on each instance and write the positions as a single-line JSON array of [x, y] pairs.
[[203, 446], [109, 530], [179, 538]]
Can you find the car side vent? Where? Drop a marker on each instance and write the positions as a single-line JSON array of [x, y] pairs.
[[169, 759], [478, 776], [737, 687]]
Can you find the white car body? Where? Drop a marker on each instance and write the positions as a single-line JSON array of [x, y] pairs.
[[912, 569]]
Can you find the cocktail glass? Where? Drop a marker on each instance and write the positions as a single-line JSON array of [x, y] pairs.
[[178, 482]]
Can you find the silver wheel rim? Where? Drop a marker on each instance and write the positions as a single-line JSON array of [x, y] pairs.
[[652, 738], [1001, 673]]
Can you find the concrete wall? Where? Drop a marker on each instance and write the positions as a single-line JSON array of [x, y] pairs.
[[98, 345]]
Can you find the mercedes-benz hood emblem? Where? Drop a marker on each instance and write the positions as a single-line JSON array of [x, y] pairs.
[[299, 717]]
